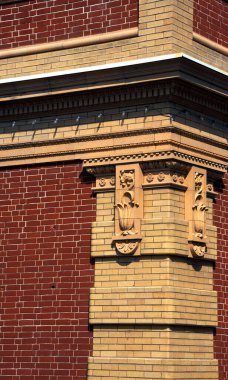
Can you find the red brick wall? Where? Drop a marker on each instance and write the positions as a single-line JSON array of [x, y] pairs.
[[221, 280], [210, 19], [46, 274], [38, 21]]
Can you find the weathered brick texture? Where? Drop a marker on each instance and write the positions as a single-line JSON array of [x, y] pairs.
[[45, 221], [210, 19], [31, 22], [221, 280]]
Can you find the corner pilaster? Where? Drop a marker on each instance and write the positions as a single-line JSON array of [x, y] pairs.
[[153, 306]]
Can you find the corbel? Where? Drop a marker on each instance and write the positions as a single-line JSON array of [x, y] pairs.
[[105, 178], [165, 173]]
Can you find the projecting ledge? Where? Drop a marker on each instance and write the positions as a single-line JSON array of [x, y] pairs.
[[138, 368]]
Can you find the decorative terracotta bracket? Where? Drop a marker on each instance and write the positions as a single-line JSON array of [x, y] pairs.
[[128, 209], [196, 211]]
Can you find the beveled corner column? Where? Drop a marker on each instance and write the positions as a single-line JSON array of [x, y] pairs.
[[153, 308]]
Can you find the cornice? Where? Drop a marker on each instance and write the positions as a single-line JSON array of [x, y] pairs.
[[84, 100], [161, 155], [170, 165], [110, 136], [39, 157], [103, 157], [174, 90], [119, 74], [174, 81]]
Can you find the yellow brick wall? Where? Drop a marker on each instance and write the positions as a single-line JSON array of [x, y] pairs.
[[172, 240], [152, 342], [105, 207], [153, 271], [190, 273], [153, 305], [163, 203]]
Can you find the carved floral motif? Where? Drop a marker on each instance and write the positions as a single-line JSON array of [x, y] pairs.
[[175, 177], [181, 180], [150, 178], [166, 176], [126, 208], [102, 182], [126, 213], [112, 181], [161, 177]]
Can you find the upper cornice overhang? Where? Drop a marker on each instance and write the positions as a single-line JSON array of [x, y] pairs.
[[147, 70], [178, 79]]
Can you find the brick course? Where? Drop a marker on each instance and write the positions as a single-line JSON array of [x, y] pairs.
[[45, 221], [31, 22], [210, 19], [221, 280]]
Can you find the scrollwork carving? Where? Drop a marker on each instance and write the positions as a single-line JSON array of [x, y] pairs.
[[196, 208], [199, 208]]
